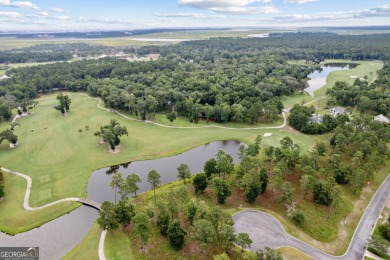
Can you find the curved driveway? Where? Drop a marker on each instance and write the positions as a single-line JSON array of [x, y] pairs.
[[266, 231]]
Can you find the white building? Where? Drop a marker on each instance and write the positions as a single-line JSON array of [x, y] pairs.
[[381, 118], [4, 77]]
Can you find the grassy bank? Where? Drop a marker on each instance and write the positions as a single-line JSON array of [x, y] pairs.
[[59, 158], [14, 218], [322, 229], [88, 248], [365, 68]]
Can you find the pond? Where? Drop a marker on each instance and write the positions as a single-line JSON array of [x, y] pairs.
[[59, 236], [56, 237], [318, 77], [99, 182]]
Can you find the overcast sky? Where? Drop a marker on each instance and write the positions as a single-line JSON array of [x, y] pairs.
[[130, 14]]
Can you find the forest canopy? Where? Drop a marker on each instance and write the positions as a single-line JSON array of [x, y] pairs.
[[221, 79]]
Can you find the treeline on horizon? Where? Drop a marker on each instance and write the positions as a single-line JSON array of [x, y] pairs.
[[52, 52], [298, 46], [225, 79]]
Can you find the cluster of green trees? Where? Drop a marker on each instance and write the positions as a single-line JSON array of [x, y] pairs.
[[300, 116], [64, 104], [225, 79], [9, 135], [241, 90], [302, 46], [111, 133], [208, 225], [368, 98], [380, 244], [384, 230], [52, 52], [354, 153]]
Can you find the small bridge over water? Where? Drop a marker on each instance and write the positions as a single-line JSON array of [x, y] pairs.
[[90, 203]]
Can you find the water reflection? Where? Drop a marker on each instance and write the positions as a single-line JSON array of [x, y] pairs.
[[56, 237], [318, 77], [98, 185]]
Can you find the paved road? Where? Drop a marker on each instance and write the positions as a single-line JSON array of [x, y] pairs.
[[266, 231]]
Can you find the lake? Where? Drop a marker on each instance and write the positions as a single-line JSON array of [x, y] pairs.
[[318, 77], [59, 236]]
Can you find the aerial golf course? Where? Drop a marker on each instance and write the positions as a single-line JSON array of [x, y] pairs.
[[60, 152]]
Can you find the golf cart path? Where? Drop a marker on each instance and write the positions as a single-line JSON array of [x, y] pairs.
[[266, 231], [87, 202], [178, 127]]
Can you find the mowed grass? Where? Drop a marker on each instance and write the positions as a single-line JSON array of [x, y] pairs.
[[290, 253], [59, 159], [88, 248], [296, 98], [14, 218], [183, 121], [365, 68], [117, 246]]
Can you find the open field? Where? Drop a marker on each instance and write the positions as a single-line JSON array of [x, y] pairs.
[[206, 34], [8, 43], [59, 159], [27, 64]]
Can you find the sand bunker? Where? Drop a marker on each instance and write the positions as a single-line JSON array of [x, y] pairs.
[[267, 134]]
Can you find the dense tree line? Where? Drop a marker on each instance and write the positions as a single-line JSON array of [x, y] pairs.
[[368, 98], [313, 47], [351, 158], [225, 79], [242, 91], [300, 117], [51, 52]]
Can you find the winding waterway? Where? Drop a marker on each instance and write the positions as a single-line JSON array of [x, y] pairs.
[[59, 236], [318, 77]]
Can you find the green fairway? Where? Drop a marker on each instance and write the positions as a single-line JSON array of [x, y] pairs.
[[59, 159], [365, 68], [14, 218]]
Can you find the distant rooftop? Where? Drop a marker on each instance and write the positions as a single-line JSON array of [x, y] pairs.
[[381, 118]]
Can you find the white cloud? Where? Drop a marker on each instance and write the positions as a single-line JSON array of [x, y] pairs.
[[205, 4], [306, 17], [43, 14], [246, 10], [18, 4], [104, 21], [57, 10], [190, 15], [167, 20], [381, 11], [300, 1], [231, 6], [9, 14], [61, 17]]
